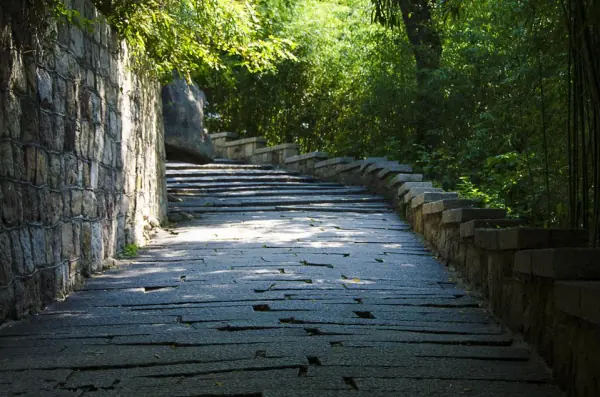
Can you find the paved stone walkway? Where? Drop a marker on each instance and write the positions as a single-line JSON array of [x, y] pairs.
[[283, 287]]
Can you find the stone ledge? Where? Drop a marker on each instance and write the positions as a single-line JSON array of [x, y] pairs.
[[416, 191], [559, 263], [403, 178], [372, 160], [395, 169], [380, 165], [218, 135], [405, 187], [334, 161], [579, 299], [461, 215], [467, 229], [428, 197], [258, 139], [276, 148], [358, 163], [519, 238], [306, 156], [450, 204]]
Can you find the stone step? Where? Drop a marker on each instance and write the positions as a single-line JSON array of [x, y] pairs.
[[227, 186], [275, 201], [355, 208], [235, 178], [236, 165], [273, 192], [214, 172]]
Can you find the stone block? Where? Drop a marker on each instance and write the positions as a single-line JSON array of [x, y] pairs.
[[394, 169], [372, 168], [38, 246], [461, 215], [443, 205], [76, 202], [333, 161], [274, 154], [27, 250], [18, 161], [467, 229], [44, 88], [12, 115], [559, 263], [60, 94], [529, 238], [12, 203], [6, 159], [428, 197], [30, 158], [243, 149], [579, 299], [29, 121], [31, 208], [6, 270], [400, 179], [41, 171], [67, 242], [18, 261], [405, 187], [307, 156], [417, 191]]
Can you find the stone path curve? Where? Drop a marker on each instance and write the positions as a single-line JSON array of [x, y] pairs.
[[284, 287]]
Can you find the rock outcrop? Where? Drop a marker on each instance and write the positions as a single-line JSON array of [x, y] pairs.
[[183, 111]]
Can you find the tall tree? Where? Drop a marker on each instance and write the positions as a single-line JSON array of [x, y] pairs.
[[427, 49]]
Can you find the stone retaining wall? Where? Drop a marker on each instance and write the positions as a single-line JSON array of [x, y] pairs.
[[81, 161], [539, 282]]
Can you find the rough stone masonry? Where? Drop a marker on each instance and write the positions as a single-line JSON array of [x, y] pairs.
[[81, 160]]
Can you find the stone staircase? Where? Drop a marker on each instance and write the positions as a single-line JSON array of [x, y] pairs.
[[233, 186]]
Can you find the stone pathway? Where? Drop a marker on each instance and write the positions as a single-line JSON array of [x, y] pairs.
[[283, 287]]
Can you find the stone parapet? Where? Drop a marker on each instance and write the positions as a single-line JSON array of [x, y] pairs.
[[305, 163], [219, 139], [244, 149], [275, 155]]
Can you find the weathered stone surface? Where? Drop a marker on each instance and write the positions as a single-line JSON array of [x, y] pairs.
[[529, 238], [579, 299], [448, 204], [467, 229], [77, 119], [559, 263], [183, 113], [462, 215], [400, 179], [221, 135], [356, 165], [405, 187], [395, 169], [416, 191], [334, 161], [428, 197], [306, 156]]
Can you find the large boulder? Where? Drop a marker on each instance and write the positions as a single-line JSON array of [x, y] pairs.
[[183, 113]]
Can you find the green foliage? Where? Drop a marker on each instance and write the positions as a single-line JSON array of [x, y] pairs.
[[352, 91], [130, 251]]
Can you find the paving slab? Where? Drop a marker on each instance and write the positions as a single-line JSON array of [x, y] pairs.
[[285, 286]]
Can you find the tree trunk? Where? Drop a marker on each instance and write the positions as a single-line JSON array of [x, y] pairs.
[[427, 48]]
